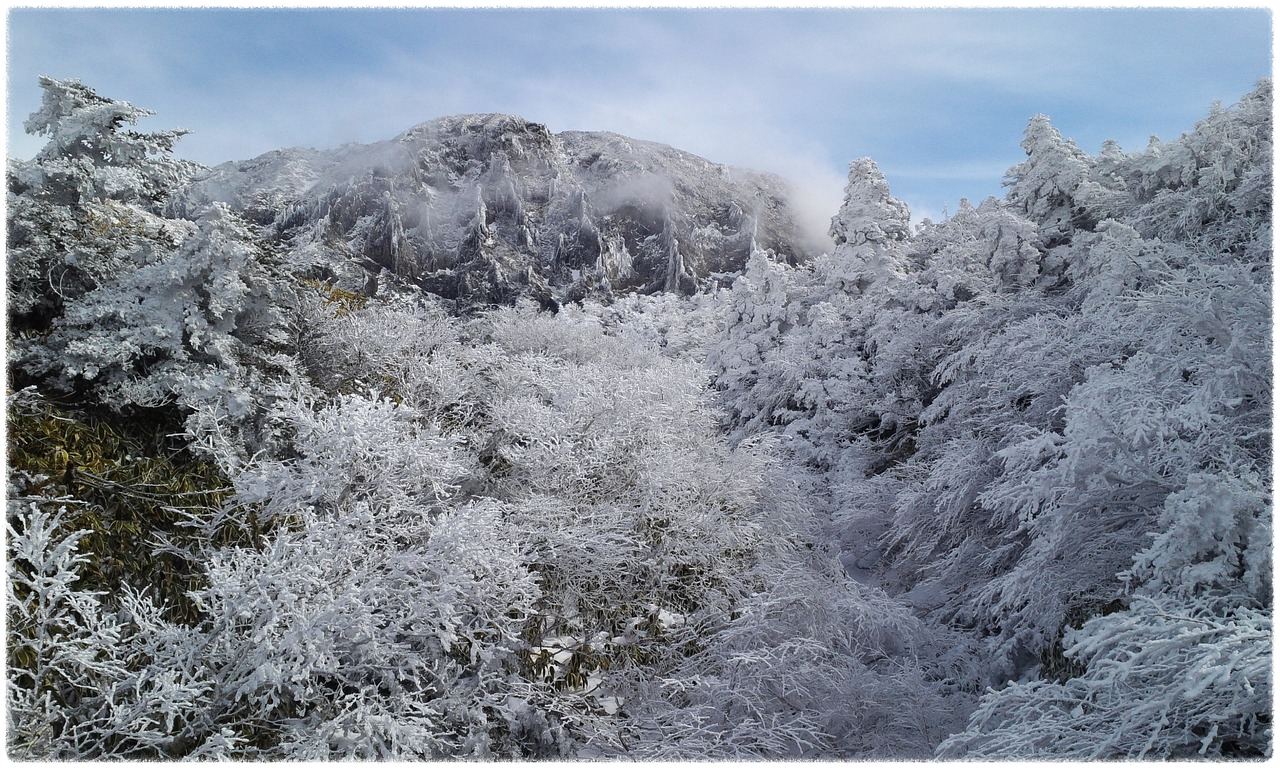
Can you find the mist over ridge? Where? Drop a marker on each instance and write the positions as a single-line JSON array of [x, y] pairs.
[[482, 208]]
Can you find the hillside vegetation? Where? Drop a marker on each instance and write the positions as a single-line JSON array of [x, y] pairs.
[[998, 486]]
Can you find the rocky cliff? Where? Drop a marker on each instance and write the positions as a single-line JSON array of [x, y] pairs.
[[485, 208]]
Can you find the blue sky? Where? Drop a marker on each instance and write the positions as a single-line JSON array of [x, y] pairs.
[[939, 98]]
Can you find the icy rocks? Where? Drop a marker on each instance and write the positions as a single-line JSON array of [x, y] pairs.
[[486, 208]]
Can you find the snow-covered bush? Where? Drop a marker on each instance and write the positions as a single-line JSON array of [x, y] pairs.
[[64, 651], [1168, 678], [813, 665], [376, 619]]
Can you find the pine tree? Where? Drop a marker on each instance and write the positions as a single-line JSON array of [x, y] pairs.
[[90, 204]]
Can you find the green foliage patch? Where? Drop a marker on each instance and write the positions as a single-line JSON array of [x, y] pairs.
[[120, 480]]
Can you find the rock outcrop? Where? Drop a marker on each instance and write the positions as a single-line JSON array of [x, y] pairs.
[[486, 208]]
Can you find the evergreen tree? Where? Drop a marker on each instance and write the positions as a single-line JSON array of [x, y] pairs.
[[89, 205]]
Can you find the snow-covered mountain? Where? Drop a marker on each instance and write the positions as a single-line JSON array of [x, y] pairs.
[[484, 208], [996, 487]]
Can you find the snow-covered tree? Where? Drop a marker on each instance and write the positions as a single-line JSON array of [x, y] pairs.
[[90, 204], [760, 312], [1044, 186], [1142, 501], [199, 329], [1040, 388], [869, 226]]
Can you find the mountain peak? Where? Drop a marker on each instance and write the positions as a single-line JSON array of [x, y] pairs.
[[483, 208], [488, 123]]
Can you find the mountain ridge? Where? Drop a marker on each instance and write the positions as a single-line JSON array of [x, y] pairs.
[[484, 208]]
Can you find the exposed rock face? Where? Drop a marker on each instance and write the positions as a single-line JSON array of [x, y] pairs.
[[485, 208]]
